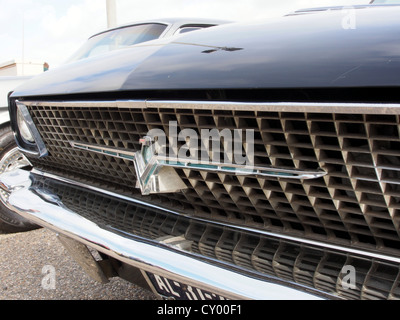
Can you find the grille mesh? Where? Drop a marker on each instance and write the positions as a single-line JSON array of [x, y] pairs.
[[356, 203]]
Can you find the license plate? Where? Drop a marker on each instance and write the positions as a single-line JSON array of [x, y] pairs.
[[179, 291]]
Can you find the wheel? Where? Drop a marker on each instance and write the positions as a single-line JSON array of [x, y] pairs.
[[10, 159]]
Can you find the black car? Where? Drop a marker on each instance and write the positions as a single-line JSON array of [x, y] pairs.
[[255, 160]]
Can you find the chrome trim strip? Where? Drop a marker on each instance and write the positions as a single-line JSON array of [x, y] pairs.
[[264, 171], [113, 152], [46, 209], [88, 104], [328, 246], [160, 161], [306, 107]]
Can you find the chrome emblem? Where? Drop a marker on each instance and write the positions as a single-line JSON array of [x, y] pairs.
[[156, 173]]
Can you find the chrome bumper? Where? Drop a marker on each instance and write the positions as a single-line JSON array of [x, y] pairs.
[[44, 208]]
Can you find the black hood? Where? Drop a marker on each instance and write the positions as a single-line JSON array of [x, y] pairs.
[[340, 48]]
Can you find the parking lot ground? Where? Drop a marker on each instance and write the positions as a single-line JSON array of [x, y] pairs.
[[35, 266]]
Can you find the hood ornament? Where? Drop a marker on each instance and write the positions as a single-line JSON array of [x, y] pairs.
[[156, 173]]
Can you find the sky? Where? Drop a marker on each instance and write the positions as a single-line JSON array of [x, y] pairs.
[[52, 30]]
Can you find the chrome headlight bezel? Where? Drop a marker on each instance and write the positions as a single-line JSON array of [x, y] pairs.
[[26, 134]]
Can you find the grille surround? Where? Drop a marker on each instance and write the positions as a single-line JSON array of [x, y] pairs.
[[355, 204]]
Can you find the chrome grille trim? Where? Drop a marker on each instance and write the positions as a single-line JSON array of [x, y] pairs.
[[88, 104], [266, 171], [309, 107]]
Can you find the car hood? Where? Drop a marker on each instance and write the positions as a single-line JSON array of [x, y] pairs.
[[341, 48]]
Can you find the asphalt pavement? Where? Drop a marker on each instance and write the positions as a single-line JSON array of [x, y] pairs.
[[35, 266]]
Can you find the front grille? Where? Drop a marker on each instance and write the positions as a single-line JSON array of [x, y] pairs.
[[356, 204], [307, 266]]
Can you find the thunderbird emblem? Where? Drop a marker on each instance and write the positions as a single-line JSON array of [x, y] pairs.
[[156, 173], [152, 175]]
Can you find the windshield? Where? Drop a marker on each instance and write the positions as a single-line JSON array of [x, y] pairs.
[[117, 39]]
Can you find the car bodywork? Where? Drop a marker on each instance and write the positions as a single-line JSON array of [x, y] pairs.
[[315, 216], [7, 84]]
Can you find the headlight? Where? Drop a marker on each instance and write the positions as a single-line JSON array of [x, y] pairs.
[[27, 136], [23, 127]]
